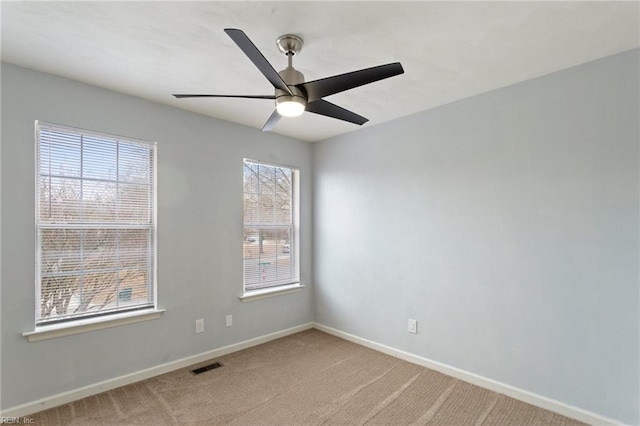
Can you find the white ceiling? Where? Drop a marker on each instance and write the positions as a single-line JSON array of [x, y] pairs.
[[449, 50]]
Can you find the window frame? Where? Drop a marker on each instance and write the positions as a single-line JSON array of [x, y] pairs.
[[287, 286], [95, 320]]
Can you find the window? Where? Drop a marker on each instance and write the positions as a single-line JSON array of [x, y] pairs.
[[270, 234], [96, 224]]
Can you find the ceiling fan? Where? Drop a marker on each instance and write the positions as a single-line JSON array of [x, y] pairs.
[[293, 95]]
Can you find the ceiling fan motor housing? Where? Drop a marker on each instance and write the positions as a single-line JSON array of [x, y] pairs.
[[291, 77]]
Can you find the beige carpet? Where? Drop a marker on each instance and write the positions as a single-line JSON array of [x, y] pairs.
[[309, 378]]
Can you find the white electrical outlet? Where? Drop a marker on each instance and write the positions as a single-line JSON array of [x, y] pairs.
[[199, 325], [229, 320], [413, 326]]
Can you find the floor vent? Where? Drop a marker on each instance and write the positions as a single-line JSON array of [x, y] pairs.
[[206, 368]]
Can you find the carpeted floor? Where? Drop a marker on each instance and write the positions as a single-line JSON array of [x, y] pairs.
[[309, 378]]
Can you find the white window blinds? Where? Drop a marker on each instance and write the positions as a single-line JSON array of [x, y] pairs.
[[96, 226], [270, 237]]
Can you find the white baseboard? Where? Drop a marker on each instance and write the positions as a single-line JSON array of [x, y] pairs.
[[519, 394], [83, 392]]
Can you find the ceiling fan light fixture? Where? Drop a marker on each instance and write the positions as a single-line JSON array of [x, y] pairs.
[[290, 106]]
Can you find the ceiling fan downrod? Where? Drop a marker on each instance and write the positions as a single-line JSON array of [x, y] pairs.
[[290, 45]]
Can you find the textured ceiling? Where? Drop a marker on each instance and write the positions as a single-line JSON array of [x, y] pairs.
[[449, 50]]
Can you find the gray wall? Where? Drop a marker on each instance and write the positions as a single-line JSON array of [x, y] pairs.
[[506, 224], [199, 236]]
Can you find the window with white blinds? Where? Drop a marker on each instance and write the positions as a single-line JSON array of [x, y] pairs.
[[96, 224], [270, 234]]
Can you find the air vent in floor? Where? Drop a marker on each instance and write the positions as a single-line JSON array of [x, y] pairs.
[[206, 368]]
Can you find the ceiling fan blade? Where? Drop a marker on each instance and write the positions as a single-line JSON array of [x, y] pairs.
[[271, 122], [338, 83], [328, 109], [258, 59], [179, 96]]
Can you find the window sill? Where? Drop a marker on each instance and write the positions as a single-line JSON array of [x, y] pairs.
[[82, 326], [270, 292]]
